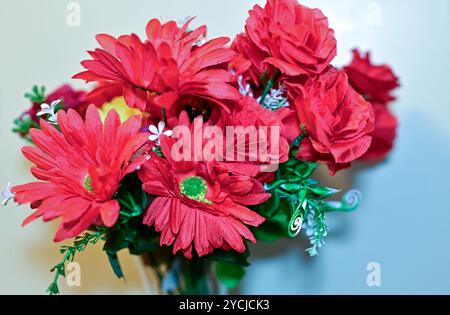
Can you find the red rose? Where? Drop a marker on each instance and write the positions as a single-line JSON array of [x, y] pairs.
[[338, 121], [250, 52], [292, 38], [375, 82], [384, 134]]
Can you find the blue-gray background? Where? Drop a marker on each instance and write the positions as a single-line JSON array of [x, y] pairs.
[[404, 220]]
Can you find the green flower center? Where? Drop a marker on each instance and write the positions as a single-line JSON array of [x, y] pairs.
[[88, 183], [194, 188]]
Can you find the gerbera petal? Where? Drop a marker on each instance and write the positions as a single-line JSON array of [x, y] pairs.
[[109, 212]]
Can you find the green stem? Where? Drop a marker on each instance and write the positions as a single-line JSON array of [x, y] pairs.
[[80, 244], [134, 205], [269, 85], [164, 112]]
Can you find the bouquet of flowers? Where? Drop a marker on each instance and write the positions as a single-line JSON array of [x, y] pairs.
[[187, 149]]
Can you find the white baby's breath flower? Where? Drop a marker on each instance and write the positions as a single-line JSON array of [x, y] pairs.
[[7, 194], [50, 111], [158, 132], [276, 98]]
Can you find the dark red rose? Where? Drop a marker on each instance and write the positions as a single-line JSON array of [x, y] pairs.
[[338, 121], [74, 99], [384, 134], [374, 82], [288, 36]]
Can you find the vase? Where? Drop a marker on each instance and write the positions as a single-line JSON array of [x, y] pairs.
[[163, 274]]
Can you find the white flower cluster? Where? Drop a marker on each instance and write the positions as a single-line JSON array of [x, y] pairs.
[[276, 98]]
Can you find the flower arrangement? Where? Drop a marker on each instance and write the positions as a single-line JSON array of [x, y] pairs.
[[187, 149]]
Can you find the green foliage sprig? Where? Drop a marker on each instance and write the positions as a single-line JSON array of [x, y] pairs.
[[79, 245], [297, 202], [37, 94]]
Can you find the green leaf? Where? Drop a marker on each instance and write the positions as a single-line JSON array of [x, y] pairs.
[[37, 94], [23, 125], [324, 192], [132, 198], [291, 187], [53, 289], [229, 274], [115, 241], [134, 235], [114, 261], [271, 206], [306, 169], [145, 240], [283, 215], [269, 232], [231, 257]]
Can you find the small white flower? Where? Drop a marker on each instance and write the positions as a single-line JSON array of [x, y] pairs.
[[244, 89], [50, 111], [276, 98], [7, 194], [158, 132]]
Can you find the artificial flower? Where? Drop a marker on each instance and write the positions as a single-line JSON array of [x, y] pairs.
[[70, 97], [199, 203], [338, 121], [256, 124], [250, 60], [80, 169], [291, 37], [7, 194], [157, 132], [374, 82], [167, 70], [384, 134], [118, 104], [49, 111]]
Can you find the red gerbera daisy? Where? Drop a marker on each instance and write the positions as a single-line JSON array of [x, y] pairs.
[[200, 204], [168, 67], [80, 169]]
